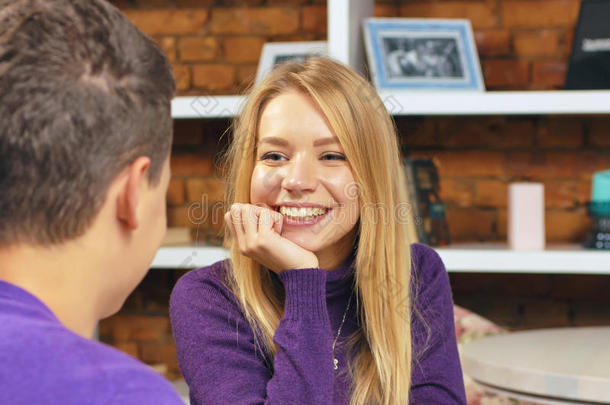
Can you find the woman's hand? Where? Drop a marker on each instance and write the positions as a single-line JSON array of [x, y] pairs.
[[257, 231]]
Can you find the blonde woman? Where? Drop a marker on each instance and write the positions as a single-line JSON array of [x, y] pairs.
[[324, 300]]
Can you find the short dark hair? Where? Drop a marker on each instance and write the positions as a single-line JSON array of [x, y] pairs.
[[83, 93]]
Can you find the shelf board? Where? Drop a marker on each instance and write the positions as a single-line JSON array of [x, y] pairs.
[[206, 107], [496, 102], [401, 103], [498, 258], [188, 257], [471, 258]]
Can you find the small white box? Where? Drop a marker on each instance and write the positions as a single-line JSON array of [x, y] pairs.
[[526, 216]]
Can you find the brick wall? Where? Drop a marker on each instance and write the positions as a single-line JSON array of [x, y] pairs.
[[214, 47]]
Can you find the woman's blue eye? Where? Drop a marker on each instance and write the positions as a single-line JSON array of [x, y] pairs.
[[271, 156], [333, 156]]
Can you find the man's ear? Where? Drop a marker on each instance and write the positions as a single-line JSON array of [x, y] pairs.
[[130, 194]]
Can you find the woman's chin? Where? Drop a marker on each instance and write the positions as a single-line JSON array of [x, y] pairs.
[[304, 241]]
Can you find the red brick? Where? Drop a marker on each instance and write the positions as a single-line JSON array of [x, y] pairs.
[[178, 216], [502, 224], [456, 192], [159, 352], [194, 3], [213, 77], [191, 164], [559, 132], [290, 2], [209, 189], [243, 49], [187, 132], [490, 193], [567, 226], [470, 164], [129, 348], [554, 165], [258, 21], [468, 224], [193, 49], [548, 75], [591, 312], [246, 75], [492, 42], [168, 45], [176, 192], [588, 287], [314, 19], [530, 285], [546, 314], [504, 73], [182, 75], [134, 327], [234, 3], [537, 43], [168, 21], [480, 14], [385, 10], [540, 13], [495, 132], [416, 132], [599, 132], [563, 193]]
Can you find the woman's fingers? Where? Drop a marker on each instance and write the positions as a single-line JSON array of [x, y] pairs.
[[237, 223], [274, 220]]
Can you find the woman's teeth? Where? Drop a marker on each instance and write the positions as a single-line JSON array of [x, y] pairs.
[[302, 213]]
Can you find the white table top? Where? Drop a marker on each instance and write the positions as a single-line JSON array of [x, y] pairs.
[[571, 364]]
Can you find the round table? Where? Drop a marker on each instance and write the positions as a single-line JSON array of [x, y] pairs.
[[547, 366]]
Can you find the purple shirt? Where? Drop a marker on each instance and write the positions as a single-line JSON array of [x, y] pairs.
[[221, 363], [43, 362]]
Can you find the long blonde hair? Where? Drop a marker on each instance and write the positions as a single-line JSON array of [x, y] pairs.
[[381, 367]]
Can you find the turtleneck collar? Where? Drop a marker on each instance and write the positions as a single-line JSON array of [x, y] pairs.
[[341, 278]]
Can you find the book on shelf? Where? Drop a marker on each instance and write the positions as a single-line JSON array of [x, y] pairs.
[[428, 210], [589, 66]]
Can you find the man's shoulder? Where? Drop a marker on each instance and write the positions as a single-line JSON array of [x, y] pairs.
[[63, 367]]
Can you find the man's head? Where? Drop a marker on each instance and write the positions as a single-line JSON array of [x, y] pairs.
[[82, 94], [85, 135]]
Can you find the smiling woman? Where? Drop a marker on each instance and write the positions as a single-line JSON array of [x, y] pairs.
[[324, 300]]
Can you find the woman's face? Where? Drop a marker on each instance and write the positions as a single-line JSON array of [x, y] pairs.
[[301, 171]]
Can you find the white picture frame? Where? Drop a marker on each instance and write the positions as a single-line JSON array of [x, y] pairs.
[[274, 53], [422, 54]]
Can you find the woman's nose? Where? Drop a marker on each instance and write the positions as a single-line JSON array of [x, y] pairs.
[[300, 175]]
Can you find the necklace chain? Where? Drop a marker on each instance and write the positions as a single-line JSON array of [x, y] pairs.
[[335, 361]]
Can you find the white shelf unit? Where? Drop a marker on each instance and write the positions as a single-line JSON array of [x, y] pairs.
[[477, 258], [344, 36], [433, 103]]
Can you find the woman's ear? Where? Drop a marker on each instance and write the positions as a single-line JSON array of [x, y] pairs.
[[130, 193]]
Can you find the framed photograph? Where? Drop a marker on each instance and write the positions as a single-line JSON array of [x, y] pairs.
[[589, 66], [274, 53], [422, 54]]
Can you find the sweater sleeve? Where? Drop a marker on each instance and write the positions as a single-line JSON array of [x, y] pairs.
[[220, 360], [436, 371]]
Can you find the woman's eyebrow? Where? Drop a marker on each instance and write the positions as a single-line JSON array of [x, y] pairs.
[[326, 141], [274, 140]]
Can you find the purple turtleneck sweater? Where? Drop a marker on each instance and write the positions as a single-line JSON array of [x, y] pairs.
[[221, 363]]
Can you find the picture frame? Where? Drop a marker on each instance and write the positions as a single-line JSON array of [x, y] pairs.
[[422, 54], [274, 53], [589, 66]]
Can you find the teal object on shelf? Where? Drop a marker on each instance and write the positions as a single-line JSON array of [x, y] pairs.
[[601, 187], [599, 211]]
